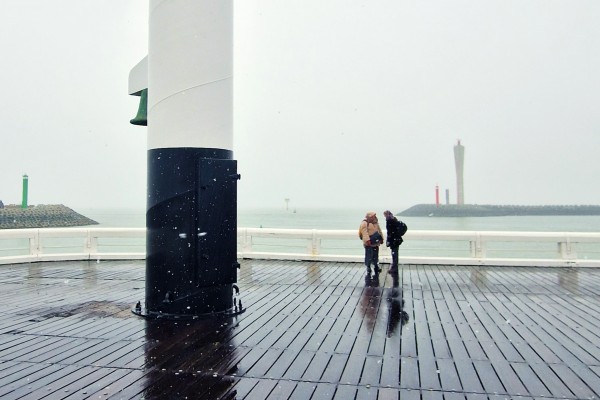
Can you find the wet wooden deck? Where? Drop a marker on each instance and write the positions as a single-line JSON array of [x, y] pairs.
[[311, 331]]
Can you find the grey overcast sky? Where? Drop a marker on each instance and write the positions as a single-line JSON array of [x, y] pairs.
[[338, 103]]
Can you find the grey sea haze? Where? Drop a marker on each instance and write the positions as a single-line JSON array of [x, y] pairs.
[[298, 218]]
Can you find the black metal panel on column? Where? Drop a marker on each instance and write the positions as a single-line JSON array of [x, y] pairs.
[[217, 222], [183, 223]]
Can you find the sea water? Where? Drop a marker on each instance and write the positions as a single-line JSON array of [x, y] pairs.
[[351, 218]]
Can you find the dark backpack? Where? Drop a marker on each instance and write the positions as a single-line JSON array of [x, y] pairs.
[[402, 228]]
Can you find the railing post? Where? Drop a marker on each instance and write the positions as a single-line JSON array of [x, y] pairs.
[[246, 242], [34, 244], [315, 244], [91, 244], [477, 247], [567, 250]]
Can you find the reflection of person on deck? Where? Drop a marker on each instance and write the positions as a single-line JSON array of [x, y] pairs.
[[369, 300], [396, 314]]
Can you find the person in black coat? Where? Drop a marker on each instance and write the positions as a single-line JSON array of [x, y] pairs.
[[394, 237]]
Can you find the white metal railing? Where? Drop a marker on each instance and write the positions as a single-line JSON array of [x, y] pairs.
[[420, 247], [54, 244]]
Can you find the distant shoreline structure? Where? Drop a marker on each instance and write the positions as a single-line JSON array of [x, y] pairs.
[[489, 210], [41, 216]]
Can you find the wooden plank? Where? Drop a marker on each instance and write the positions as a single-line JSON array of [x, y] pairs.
[[164, 384], [371, 373], [441, 348], [101, 348], [64, 349], [330, 342], [424, 345], [489, 378], [19, 375], [534, 385], [315, 341], [250, 359], [564, 346], [408, 394], [80, 385], [282, 364], [282, 390], [50, 383], [588, 374], [457, 349], [469, 379], [135, 359], [475, 350], [509, 377], [346, 343], [431, 395], [409, 373], [113, 359], [214, 387], [580, 389], [324, 391], [366, 393], [448, 375], [37, 344], [454, 396], [241, 388], [262, 389], [551, 381], [429, 375], [335, 368], [299, 365], [303, 390], [478, 396], [353, 370], [390, 370], [408, 341], [345, 392], [264, 363], [388, 394], [317, 367], [511, 351]]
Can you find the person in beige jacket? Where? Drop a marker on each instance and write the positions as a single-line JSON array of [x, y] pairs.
[[372, 236]]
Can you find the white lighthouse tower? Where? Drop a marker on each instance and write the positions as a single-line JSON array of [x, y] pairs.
[[191, 214], [459, 163]]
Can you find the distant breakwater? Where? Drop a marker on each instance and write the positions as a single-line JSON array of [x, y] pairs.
[[41, 216], [476, 210]]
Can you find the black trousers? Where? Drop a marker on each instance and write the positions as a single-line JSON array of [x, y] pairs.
[[394, 250]]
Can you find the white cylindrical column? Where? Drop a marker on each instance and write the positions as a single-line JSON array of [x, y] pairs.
[[190, 74], [459, 163], [191, 218]]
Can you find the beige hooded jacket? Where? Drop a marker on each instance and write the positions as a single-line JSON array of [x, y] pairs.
[[369, 226]]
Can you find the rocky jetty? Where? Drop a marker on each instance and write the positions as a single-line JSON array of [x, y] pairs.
[[476, 210], [41, 216]]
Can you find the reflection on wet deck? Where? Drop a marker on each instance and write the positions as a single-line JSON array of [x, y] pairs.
[[311, 331]]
